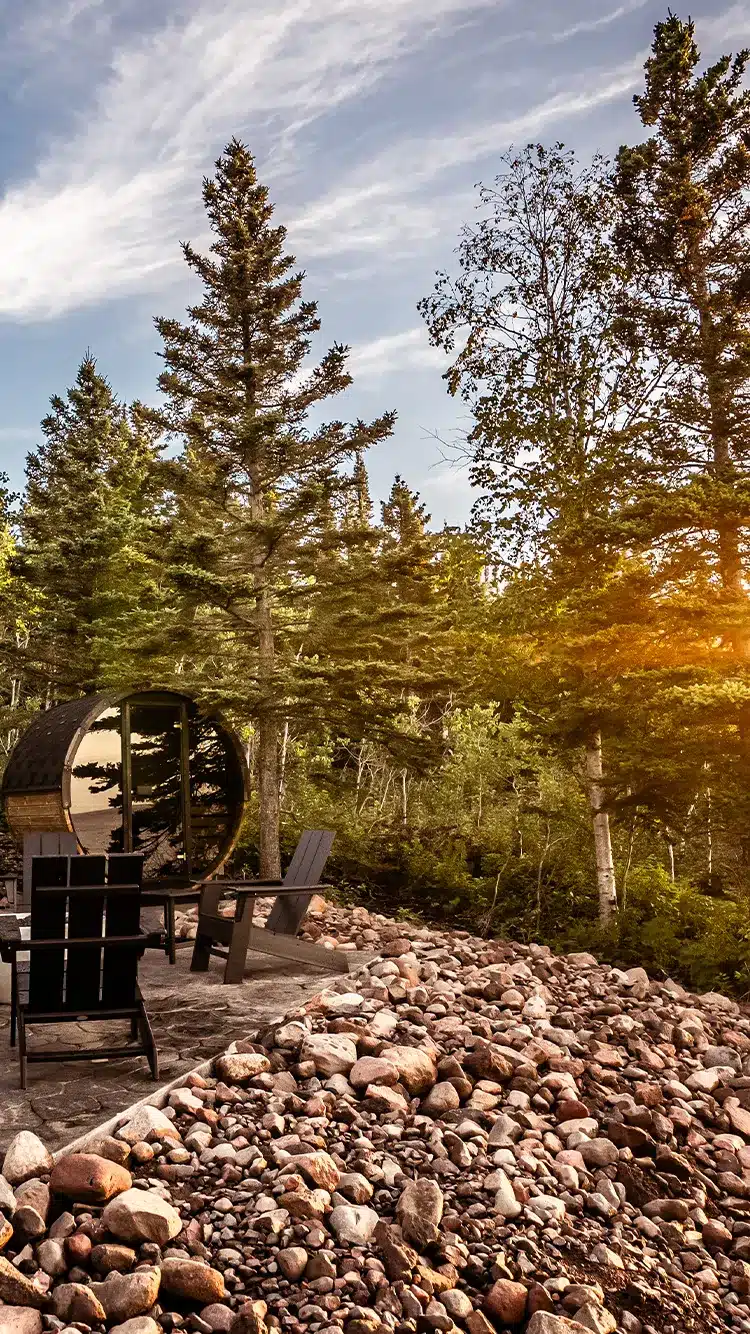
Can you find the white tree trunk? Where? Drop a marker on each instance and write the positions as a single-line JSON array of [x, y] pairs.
[[605, 866]]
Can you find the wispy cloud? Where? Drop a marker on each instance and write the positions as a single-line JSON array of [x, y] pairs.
[[385, 201], [733, 23], [555, 36], [595, 24], [103, 212], [394, 352]]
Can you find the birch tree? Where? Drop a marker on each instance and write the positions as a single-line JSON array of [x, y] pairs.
[[557, 405]]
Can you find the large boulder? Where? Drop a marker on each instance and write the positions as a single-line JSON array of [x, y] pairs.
[[416, 1068], [124, 1296], [219, 1317], [506, 1204], [543, 1322], [140, 1324], [372, 1070], [239, 1067], [110, 1255], [50, 1256], [442, 1098], [353, 1223], [32, 1209], [506, 1301], [331, 1053], [141, 1215], [318, 1168], [292, 1262], [20, 1320], [146, 1122], [26, 1157], [192, 1281], [338, 1005], [88, 1179], [74, 1302]]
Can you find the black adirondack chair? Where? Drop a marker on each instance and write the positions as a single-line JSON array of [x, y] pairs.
[[230, 938], [84, 947]]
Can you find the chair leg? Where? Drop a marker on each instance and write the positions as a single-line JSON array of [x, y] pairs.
[[171, 931], [134, 1031], [209, 904], [238, 945], [13, 1003], [147, 1037], [22, 1047], [201, 953]]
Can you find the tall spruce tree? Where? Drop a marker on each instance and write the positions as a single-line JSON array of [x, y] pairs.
[[408, 550], [256, 484], [684, 233], [18, 611], [87, 525]]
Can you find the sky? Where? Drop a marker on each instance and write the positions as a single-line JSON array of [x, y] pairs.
[[371, 121]]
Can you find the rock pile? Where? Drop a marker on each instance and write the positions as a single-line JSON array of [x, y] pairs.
[[468, 1137]]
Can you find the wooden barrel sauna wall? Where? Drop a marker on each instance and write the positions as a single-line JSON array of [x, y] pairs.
[[143, 772]]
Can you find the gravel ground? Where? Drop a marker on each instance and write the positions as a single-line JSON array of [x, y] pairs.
[[467, 1135]]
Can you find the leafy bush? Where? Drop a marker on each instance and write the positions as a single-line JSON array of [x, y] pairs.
[[496, 840]]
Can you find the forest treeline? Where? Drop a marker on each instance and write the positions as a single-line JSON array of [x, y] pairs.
[[539, 723]]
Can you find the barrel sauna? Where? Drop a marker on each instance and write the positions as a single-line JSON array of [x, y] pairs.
[[124, 772]]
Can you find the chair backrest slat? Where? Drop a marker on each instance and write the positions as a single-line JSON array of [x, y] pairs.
[[120, 970], [85, 918], [48, 915], [305, 868]]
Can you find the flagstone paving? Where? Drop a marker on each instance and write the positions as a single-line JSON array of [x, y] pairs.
[[194, 1016]]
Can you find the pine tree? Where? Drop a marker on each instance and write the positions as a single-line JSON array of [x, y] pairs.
[[256, 486], [684, 234], [18, 613], [86, 529], [407, 549]]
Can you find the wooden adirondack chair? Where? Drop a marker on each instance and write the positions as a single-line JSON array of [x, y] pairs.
[[231, 938], [84, 947]]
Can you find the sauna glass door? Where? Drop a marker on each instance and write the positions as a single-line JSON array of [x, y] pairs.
[[152, 775], [153, 736]]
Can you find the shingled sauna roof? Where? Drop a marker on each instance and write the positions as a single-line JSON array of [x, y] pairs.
[[37, 760], [126, 771]]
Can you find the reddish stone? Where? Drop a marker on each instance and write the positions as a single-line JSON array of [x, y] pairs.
[[506, 1301]]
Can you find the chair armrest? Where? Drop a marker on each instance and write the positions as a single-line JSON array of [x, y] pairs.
[[99, 941], [252, 884], [259, 892]]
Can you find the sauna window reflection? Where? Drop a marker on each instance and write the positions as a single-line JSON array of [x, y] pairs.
[[156, 787], [96, 786], [215, 789]]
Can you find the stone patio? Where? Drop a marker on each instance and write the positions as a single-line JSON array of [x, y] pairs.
[[194, 1016]]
